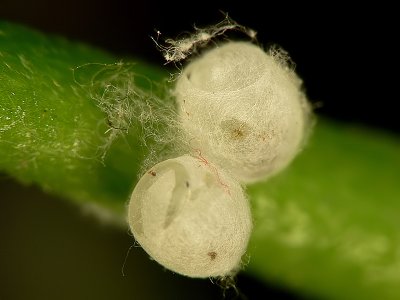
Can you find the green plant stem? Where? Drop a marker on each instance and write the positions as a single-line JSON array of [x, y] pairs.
[[51, 130], [328, 226]]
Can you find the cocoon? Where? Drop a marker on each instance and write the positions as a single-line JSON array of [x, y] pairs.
[[244, 109], [191, 217]]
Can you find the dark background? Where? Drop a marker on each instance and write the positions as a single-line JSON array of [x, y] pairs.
[[345, 54]]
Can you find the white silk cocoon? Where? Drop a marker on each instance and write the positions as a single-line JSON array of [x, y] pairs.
[[244, 109], [191, 217]]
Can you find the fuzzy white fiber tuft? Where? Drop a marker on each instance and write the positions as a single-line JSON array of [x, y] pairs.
[[191, 217], [244, 109]]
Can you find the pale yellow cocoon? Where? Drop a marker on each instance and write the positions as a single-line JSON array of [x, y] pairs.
[[191, 217], [244, 109]]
